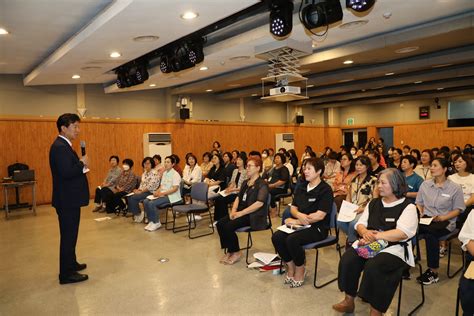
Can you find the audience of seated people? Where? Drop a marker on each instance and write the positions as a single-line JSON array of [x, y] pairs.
[[438, 180], [126, 183], [248, 209], [393, 219], [168, 192], [312, 205], [109, 182], [150, 181]]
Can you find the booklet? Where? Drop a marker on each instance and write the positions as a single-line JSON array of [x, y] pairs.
[[151, 197], [292, 228], [347, 213], [265, 258], [469, 274], [426, 220]]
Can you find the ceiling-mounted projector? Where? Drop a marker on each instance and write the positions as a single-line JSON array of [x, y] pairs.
[[285, 89]]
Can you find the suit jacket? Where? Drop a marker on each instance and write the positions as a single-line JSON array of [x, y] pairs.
[[70, 186]]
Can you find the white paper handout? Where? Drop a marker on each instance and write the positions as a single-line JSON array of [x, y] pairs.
[[347, 213], [426, 220], [101, 219], [130, 194], [264, 257], [292, 228], [224, 193], [151, 197]]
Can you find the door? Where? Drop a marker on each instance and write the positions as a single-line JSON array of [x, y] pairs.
[[362, 138], [348, 139], [387, 134]]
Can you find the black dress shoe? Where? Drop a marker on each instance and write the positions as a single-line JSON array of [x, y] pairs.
[[80, 266], [73, 278]]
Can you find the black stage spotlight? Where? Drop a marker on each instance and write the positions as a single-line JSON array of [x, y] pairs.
[[281, 18], [319, 14], [122, 81], [141, 72], [360, 5], [187, 55], [165, 64]]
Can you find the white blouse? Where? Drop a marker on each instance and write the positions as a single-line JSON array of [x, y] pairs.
[[467, 231], [193, 176]]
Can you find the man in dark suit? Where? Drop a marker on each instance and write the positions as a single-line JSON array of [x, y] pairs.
[[70, 192]]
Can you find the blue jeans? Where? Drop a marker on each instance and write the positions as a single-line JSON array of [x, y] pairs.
[[349, 229], [151, 208], [134, 200], [286, 214]]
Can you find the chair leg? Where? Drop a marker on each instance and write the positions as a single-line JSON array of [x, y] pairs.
[[400, 286], [422, 295], [457, 303], [249, 245], [316, 271], [449, 263], [195, 225]]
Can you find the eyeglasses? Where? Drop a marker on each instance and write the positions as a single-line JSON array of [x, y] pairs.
[[248, 166]]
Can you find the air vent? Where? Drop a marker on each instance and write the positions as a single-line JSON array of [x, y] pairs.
[[159, 138], [288, 137]]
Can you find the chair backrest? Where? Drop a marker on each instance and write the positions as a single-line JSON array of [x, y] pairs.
[[199, 191], [268, 211], [333, 220]]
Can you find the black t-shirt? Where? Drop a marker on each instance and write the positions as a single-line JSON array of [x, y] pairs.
[[218, 175], [280, 174], [376, 172], [249, 195], [319, 198]]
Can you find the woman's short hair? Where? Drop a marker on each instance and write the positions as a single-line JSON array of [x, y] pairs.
[[128, 161], [467, 159], [221, 161], [351, 159], [444, 163], [208, 155], [152, 162], [317, 163], [114, 157], [176, 158], [257, 162], [242, 155], [375, 154], [429, 152], [411, 160], [417, 152], [398, 150], [282, 157], [333, 155], [190, 155], [157, 157], [397, 181], [172, 158], [228, 154], [255, 153], [366, 162]]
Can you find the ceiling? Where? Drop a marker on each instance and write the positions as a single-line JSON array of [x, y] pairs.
[[51, 40]]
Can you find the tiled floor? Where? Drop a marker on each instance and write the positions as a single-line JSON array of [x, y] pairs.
[[126, 276]]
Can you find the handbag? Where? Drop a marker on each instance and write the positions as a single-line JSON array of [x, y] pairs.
[[370, 250]]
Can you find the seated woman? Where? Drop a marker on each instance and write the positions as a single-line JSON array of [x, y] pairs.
[[382, 161], [235, 155], [414, 181], [177, 167], [374, 157], [396, 158], [312, 205], [441, 199], [206, 164], [109, 181], [343, 179], [158, 166], [466, 286], [168, 192], [464, 177], [126, 182], [249, 209], [362, 190], [331, 168], [423, 169], [239, 175], [392, 219], [267, 161], [149, 183], [216, 177], [278, 180], [228, 166], [192, 173]]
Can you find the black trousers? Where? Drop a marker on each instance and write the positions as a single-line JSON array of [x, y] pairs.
[[432, 236], [100, 194], [380, 280], [69, 220], [112, 200], [290, 246], [466, 290], [221, 206], [274, 192], [226, 228]]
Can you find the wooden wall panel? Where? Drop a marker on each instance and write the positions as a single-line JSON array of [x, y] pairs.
[[28, 141]]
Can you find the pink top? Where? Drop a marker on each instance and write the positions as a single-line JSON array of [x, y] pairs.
[[342, 183]]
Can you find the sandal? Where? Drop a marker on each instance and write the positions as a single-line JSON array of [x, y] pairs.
[[295, 283], [288, 280], [233, 259], [224, 258]]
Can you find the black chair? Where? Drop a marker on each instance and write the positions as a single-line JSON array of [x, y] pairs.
[[249, 230], [281, 198], [448, 238], [329, 241], [199, 204], [417, 262]]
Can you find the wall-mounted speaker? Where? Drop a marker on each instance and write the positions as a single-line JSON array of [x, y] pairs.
[[184, 113], [299, 119]]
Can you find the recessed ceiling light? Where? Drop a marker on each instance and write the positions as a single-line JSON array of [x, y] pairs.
[[407, 49], [146, 38], [152, 85], [389, 74], [237, 58], [310, 86], [3, 31], [387, 15], [439, 89], [209, 90], [417, 82], [353, 24], [348, 62], [189, 15], [115, 54], [363, 90], [203, 68], [76, 77]]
